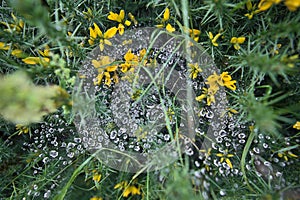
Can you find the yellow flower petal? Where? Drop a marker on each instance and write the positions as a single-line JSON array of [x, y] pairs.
[[241, 40], [3, 46], [101, 45], [297, 125], [249, 5], [17, 52], [93, 35], [201, 97], [228, 163], [159, 25], [169, 28], [237, 46], [127, 23], [166, 14], [233, 40], [121, 15], [97, 177], [132, 18], [31, 60], [121, 29], [292, 155], [107, 42], [112, 68], [113, 16], [97, 30], [292, 5], [110, 32], [211, 36]]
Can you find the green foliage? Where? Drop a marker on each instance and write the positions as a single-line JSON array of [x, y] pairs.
[[43, 45]]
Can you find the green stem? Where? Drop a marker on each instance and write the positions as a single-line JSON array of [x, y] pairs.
[[243, 159]]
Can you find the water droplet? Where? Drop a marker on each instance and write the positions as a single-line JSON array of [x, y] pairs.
[[222, 192], [47, 194], [71, 154], [35, 187], [45, 160], [53, 153]]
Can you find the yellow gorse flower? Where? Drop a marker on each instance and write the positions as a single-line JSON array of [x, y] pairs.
[[96, 32], [227, 81], [266, 4], [209, 94], [96, 198], [290, 60], [130, 61], [128, 189], [194, 70], [43, 59], [17, 26], [96, 177], [292, 5], [22, 129], [286, 154], [4, 46], [252, 9], [214, 38], [121, 19], [297, 125], [88, 14], [193, 33], [164, 20], [236, 41], [225, 157], [105, 68], [214, 81]]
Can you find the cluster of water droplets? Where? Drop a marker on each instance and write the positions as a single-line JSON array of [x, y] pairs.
[[54, 146]]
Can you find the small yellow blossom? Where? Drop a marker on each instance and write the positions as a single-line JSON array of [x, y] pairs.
[[214, 38], [225, 156], [266, 4], [164, 23], [227, 81], [290, 60], [96, 177], [132, 18], [128, 189], [275, 50], [96, 32], [194, 34], [252, 9], [286, 154], [131, 60], [4, 46], [121, 19], [105, 67], [17, 53], [214, 81], [194, 70], [96, 198], [43, 59], [22, 129], [88, 14], [17, 26], [292, 5], [236, 41], [208, 94], [207, 153], [170, 28], [297, 125]]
